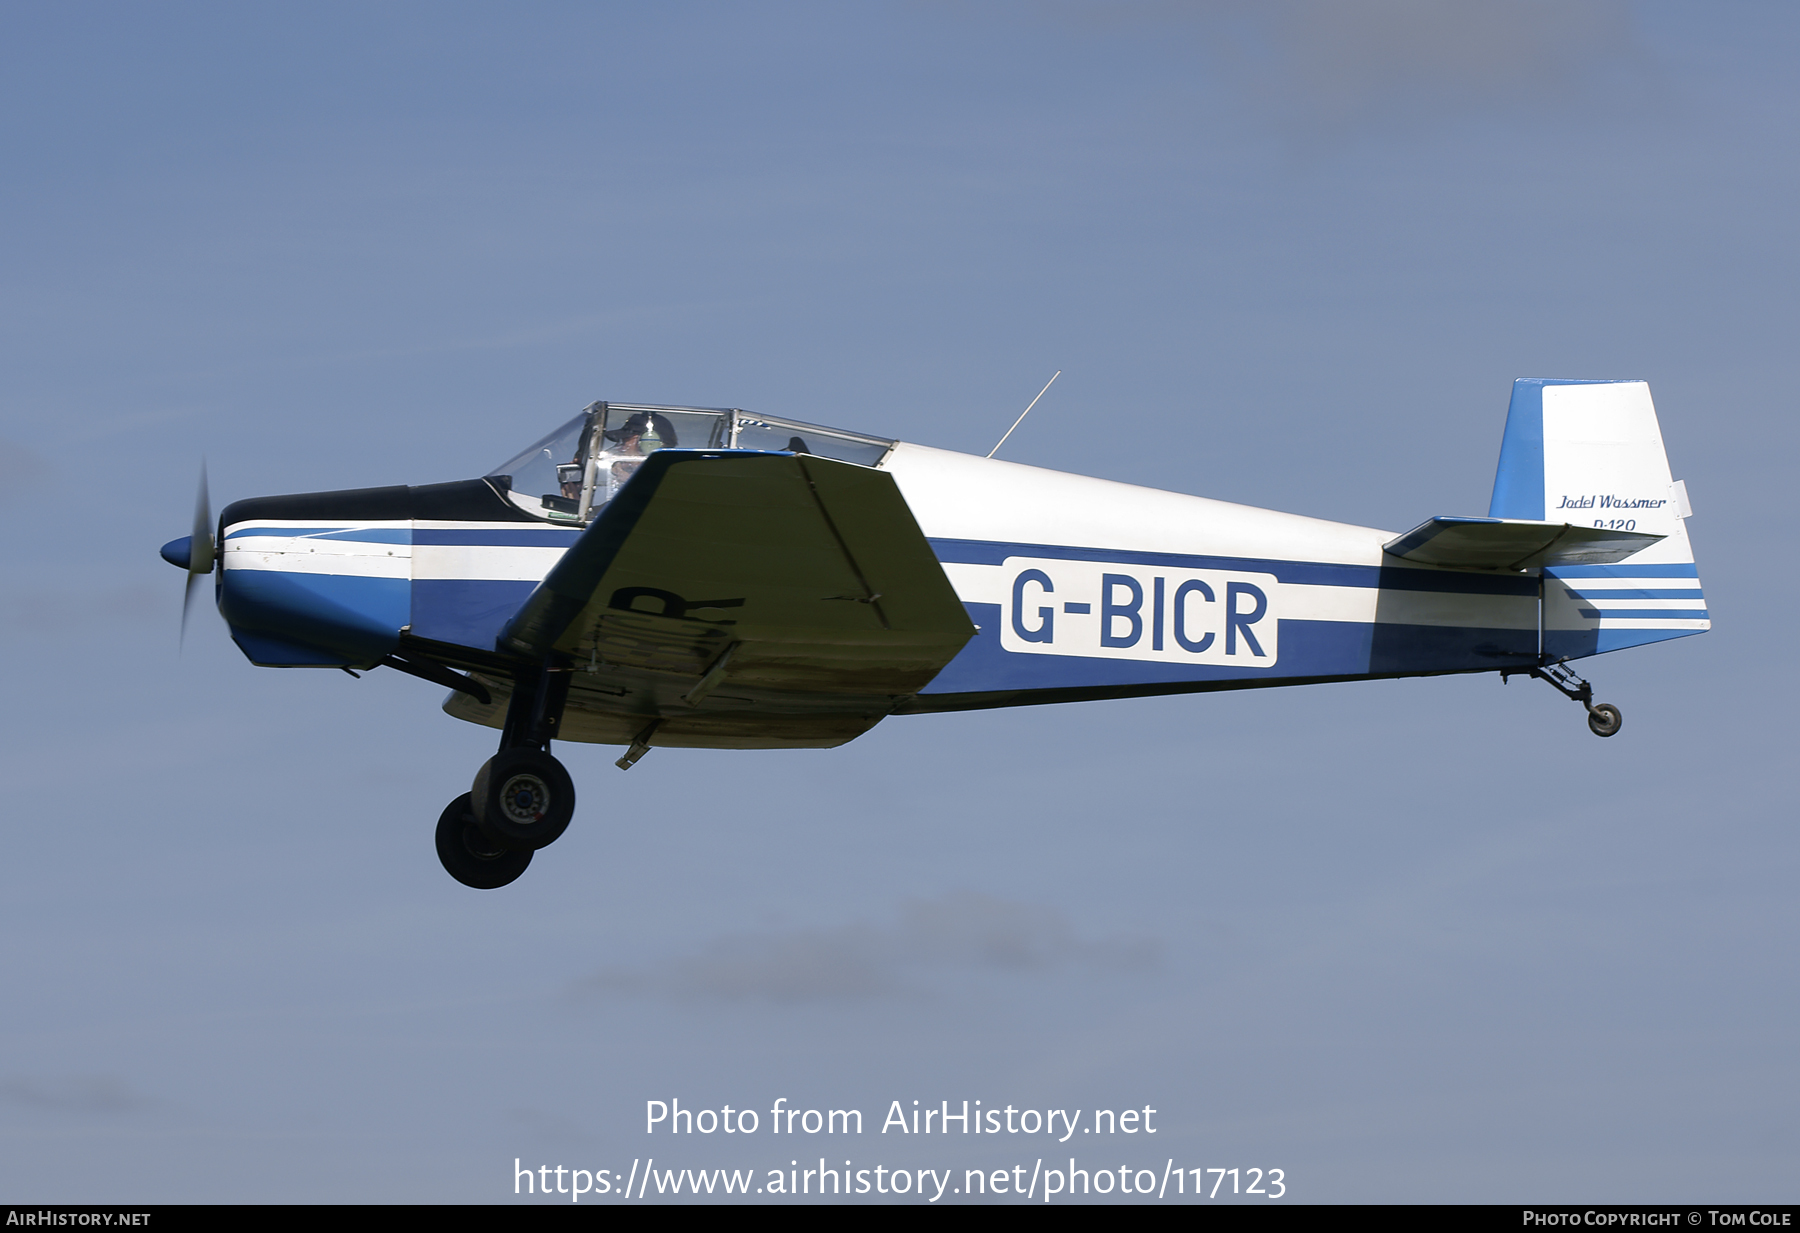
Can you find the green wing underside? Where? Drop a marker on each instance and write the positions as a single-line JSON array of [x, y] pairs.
[[742, 600]]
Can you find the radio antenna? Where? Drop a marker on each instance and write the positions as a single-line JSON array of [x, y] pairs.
[[1023, 414]]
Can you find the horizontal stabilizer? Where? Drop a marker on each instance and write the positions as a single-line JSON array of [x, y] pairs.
[[1514, 544]]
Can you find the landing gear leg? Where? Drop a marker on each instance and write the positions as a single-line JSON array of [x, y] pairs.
[[523, 797], [1603, 717]]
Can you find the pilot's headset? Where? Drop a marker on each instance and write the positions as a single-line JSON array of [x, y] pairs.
[[658, 434]]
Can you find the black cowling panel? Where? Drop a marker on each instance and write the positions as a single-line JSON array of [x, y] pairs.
[[477, 500]]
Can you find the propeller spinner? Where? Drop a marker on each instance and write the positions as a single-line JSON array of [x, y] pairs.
[[195, 552]]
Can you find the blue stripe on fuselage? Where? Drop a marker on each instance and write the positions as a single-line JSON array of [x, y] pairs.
[[485, 537], [1308, 649], [1673, 570], [1311, 573], [1599, 595], [1643, 614], [476, 537], [365, 535]]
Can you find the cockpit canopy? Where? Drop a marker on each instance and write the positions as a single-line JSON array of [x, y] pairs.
[[570, 474]]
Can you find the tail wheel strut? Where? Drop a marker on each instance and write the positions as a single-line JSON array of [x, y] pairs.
[[1603, 718]]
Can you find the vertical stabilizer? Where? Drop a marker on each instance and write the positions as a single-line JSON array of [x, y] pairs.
[[1590, 453]]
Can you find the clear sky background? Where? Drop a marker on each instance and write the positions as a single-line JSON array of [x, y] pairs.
[[1414, 940]]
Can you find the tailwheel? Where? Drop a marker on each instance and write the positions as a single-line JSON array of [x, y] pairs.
[[470, 855], [1603, 717], [523, 798]]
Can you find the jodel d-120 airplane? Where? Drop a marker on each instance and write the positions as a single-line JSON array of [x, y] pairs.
[[681, 576]]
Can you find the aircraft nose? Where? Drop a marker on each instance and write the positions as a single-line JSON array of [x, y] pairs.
[[178, 552]]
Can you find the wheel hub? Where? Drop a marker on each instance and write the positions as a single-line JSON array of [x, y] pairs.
[[525, 799]]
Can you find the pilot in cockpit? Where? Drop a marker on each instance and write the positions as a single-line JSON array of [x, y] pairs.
[[621, 453], [641, 435]]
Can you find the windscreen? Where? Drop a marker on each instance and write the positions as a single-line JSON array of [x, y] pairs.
[[541, 477]]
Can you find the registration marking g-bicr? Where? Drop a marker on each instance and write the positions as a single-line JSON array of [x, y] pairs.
[[1104, 610]]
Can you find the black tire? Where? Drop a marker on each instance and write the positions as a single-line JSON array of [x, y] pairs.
[[524, 798], [472, 856], [1605, 720]]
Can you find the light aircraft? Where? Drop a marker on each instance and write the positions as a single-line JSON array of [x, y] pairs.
[[683, 576]]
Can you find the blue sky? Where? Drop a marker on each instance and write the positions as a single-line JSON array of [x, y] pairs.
[[1416, 940]]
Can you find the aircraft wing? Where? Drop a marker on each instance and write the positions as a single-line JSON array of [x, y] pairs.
[[754, 571], [1513, 544]]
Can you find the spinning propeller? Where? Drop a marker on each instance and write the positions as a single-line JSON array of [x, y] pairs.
[[195, 552]]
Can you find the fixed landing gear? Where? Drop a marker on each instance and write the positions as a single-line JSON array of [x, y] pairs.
[[1603, 718], [522, 800]]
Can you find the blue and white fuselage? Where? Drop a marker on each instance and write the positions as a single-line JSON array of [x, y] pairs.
[[1078, 588]]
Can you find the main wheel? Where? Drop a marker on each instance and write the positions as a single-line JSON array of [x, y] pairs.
[[1604, 719], [470, 854], [524, 798]]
